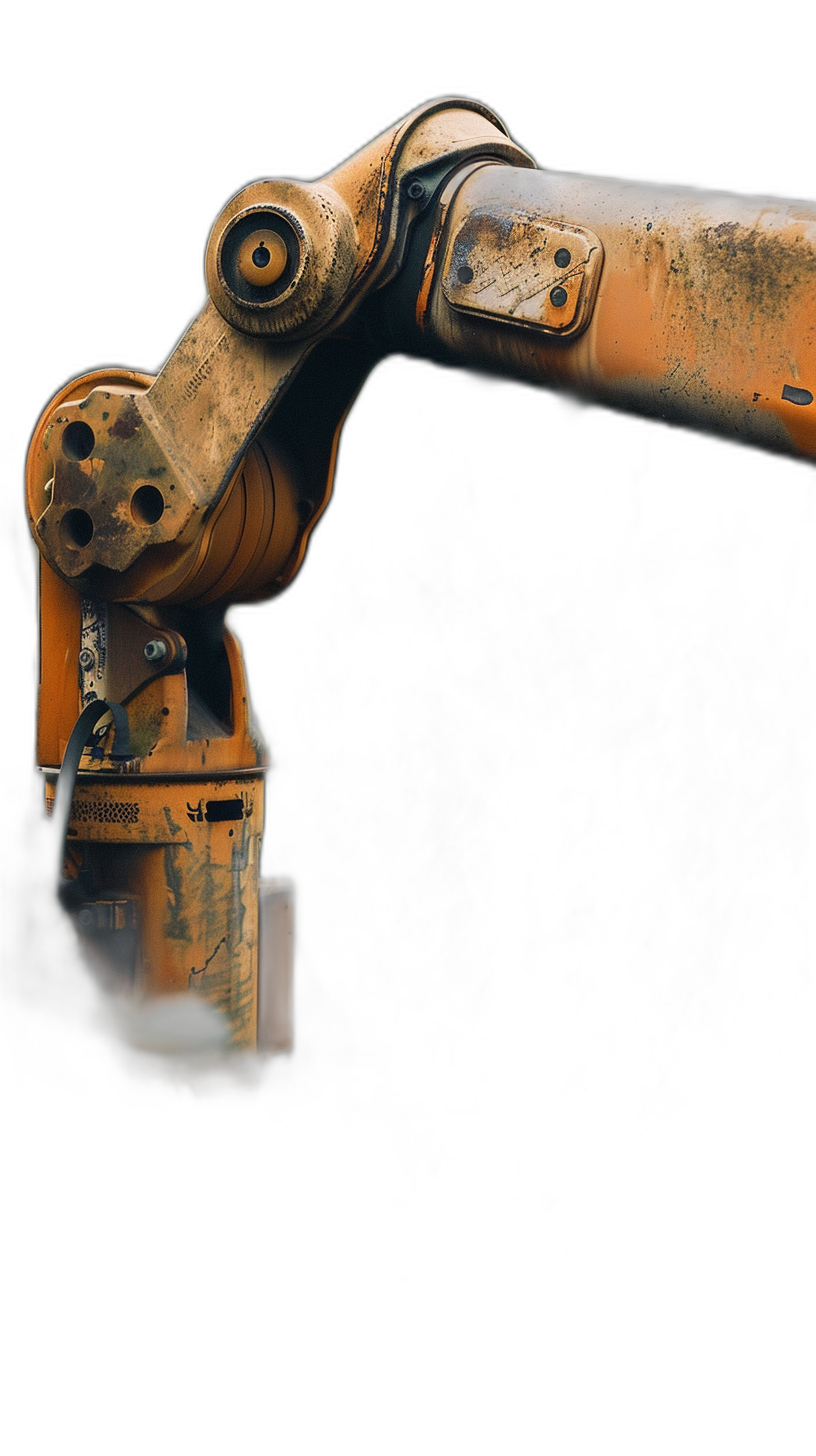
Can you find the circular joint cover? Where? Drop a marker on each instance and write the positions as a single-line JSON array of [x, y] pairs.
[[280, 258]]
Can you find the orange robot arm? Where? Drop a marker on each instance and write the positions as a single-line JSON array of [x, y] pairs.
[[155, 503]]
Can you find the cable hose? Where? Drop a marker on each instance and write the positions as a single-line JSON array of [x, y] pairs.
[[68, 890]]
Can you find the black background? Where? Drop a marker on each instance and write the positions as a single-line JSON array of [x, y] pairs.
[[541, 702]]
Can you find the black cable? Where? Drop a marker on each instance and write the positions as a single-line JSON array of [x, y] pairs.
[[81, 734]]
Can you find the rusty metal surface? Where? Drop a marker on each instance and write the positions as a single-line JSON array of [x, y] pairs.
[[314, 225], [705, 311], [177, 836], [127, 809], [150, 463], [176, 839], [179, 724], [376, 181], [186, 854], [182, 494], [511, 263], [133, 472], [251, 532], [701, 312], [113, 661]]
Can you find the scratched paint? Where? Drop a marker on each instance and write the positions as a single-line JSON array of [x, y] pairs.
[[704, 310], [509, 263]]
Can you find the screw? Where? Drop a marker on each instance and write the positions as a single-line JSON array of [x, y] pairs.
[[86, 659], [558, 297], [155, 650], [416, 191]]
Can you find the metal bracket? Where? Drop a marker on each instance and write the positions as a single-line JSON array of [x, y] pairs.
[[120, 473], [511, 264], [100, 916]]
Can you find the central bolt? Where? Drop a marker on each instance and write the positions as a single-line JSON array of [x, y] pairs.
[[262, 258], [155, 650]]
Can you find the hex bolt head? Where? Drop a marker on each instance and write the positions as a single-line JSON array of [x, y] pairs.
[[155, 650], [86, 659]]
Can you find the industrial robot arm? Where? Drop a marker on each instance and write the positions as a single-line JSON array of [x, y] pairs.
[[155, 503]]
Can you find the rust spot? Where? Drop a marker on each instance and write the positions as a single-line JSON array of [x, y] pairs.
[[74, 482], [175, 926], [714, 331], [127, 421], [754, 267]]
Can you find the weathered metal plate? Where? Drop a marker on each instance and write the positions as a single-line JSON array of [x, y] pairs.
[[512, 264]]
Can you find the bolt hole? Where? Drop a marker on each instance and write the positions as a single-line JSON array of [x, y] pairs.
[[76, 529], [147, 505], [465, 274], [77, 440]]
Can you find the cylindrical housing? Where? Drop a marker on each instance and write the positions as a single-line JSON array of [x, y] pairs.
[[162, 851], [692, 306], [178, 862]]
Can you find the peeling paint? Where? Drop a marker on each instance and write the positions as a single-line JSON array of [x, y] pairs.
[[504, 262], [171, 823], [126, 422], [176, 924]]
